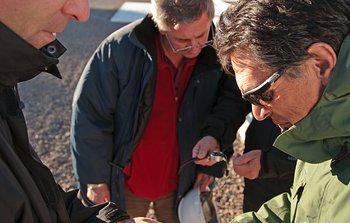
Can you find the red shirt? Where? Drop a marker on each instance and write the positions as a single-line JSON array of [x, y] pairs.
[[152, 172]]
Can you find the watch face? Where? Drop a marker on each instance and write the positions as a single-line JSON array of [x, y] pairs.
[[217, 156]]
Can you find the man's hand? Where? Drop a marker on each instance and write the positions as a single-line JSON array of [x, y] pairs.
[[248, 165], [139, 220], [202, 148], [98, 193], [202, 181]]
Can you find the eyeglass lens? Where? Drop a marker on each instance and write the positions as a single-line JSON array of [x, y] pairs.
[[198, 45]]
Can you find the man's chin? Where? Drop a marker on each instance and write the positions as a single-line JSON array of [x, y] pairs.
[[284, 127], [42, 39]]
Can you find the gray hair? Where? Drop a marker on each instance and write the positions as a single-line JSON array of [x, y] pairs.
[[170, 14], [279, 32]]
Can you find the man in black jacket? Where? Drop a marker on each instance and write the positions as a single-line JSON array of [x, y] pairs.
[[28, 46]]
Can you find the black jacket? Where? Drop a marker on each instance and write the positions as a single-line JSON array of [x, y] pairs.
[[277, 168], [28, 191]]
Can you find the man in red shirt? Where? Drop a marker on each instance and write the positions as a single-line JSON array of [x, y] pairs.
[[153, 92]]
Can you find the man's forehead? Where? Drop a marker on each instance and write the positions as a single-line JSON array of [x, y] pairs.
[[190, 30], [188, 34], [243, 56], [248, 73]]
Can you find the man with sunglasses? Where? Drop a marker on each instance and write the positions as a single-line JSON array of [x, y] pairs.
[[152, 92], [291, 61]]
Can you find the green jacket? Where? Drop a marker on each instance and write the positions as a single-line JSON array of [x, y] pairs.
[[321, 142]]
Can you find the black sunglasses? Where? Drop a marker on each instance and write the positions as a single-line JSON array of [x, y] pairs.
[[261, 93]]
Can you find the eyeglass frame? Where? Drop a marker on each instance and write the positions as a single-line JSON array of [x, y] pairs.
[[201, 45], [259, 91]]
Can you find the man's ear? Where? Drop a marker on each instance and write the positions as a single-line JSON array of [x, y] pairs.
[[325, 60]]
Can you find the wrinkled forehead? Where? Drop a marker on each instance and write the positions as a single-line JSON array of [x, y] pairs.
[[245, 60], [249, 73]]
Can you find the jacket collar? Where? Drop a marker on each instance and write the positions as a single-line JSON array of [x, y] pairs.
[[325, 132], [20, 61]]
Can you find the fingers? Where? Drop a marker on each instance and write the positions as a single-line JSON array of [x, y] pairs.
[[245, 171], [196, 150], [202, 148], [141, 220], [248, 165], [203, 181], [240, 160], [247, 157], [98, 193], [205, 162]]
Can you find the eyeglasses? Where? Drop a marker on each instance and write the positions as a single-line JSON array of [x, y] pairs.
[[199, 45], [261, 93]]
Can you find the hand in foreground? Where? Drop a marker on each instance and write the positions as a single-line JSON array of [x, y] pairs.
[[202, 148], [139, 220], [248, 165], [98, 193], [203, 181]]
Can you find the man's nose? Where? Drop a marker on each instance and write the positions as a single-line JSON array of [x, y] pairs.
[[78, 9], [260, 113], [193, 42]]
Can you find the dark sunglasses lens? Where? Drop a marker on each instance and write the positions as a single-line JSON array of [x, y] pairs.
[[256, 98], [253, 98], [266, 96]]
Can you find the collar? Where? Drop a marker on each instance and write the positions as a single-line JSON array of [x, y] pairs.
[[325, 132], [21, 61]]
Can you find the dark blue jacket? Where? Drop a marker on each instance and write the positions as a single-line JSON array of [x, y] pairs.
[[113, 101]]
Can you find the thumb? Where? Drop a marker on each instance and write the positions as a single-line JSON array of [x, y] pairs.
[[202, 152], [195, 151], [239, 160]]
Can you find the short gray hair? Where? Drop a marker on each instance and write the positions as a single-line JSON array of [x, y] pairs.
[[170, 14]]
